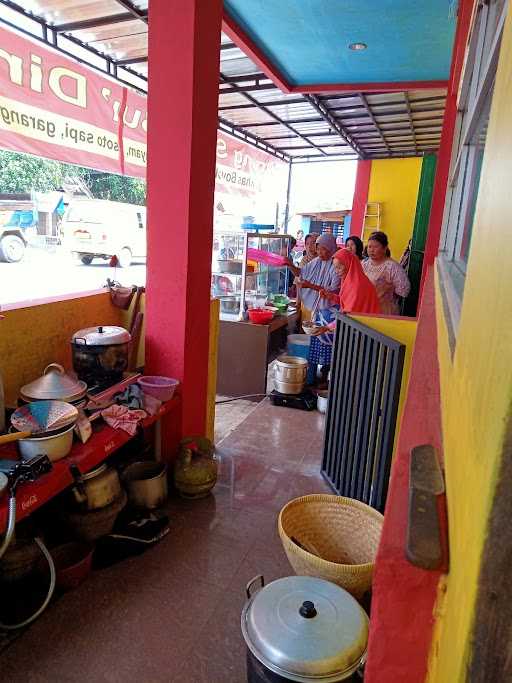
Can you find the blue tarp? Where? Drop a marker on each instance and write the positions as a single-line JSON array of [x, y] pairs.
[[22, 219]]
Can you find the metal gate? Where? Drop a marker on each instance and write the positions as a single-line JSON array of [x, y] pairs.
[[366, 374]]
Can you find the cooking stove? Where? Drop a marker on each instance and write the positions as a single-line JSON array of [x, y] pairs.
[[306, 400]]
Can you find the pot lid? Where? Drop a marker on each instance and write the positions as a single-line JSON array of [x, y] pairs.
[[95, 472], [305, 629], [54, 384], [103, 335]]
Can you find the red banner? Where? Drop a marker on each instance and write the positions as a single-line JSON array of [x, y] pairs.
[[53, 107], [244, 170]]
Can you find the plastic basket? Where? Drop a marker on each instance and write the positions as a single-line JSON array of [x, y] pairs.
[[332, 538]]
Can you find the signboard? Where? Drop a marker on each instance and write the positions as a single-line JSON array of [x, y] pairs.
[[244, 170], [53, 107], [56, 108]]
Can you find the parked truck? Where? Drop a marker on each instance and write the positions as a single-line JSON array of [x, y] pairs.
[[16, 220]]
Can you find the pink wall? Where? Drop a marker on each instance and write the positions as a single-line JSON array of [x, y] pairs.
[[360, 196], [182, 104]]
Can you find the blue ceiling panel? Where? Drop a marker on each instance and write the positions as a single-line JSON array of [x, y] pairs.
[[307, 40]]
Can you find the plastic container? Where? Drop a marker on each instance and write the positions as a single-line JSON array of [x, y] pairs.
[[162, 388], [73, 563], [56, 446], [259, 316], [298, 345], [321, 402]]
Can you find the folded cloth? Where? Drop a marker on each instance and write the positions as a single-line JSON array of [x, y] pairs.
[[121, 417], [132, 397]]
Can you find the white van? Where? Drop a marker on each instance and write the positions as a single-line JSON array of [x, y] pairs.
[[96, 228]]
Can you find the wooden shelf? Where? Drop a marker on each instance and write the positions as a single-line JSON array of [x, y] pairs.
[[104, 441]]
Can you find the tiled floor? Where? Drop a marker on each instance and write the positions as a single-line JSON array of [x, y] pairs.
[[229, 415], [173, 614]]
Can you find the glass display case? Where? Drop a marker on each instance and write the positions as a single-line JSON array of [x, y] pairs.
[[241, 283]]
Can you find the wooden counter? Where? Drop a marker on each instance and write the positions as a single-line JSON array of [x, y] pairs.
[[245, 351]]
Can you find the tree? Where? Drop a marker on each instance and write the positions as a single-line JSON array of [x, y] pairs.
[[116, 187], [24, 173]]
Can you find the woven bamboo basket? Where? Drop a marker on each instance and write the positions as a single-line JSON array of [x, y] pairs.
[[332, 538], [89, 526]]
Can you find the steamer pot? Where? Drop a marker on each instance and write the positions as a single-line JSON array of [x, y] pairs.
[[303, 629], [100, 354], [290, 374]]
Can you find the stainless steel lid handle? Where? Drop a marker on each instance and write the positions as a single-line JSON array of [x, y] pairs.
[[54, 366], [249, 586]]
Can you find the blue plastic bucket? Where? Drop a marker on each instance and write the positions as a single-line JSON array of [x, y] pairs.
[[298, 345]]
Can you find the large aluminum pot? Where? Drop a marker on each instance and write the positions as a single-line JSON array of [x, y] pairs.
[[303, 629], [146, 483], [55, 446], [290, 374]]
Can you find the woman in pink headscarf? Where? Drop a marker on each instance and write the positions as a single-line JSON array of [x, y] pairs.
[[357, 293]]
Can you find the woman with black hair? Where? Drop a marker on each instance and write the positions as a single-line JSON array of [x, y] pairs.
[[388, 276], [355, 245]]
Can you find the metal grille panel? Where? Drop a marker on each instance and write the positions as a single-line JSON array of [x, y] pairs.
[[366, 375]]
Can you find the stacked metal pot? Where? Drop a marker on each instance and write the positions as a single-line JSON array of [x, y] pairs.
[[54, 384], [290, 374], [44, 424]]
